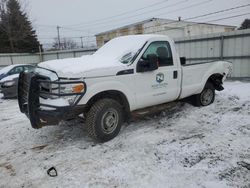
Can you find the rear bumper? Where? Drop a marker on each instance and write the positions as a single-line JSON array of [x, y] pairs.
[[30, 93]]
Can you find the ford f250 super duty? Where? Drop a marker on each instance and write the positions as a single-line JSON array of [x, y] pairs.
[[128, 73]]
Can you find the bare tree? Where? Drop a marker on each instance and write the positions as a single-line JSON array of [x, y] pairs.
[[65, 44]]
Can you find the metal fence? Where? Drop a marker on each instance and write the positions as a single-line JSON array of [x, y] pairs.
[[232, 46], [35, 58]]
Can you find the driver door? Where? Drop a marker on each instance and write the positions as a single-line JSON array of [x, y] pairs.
[[160, 85]]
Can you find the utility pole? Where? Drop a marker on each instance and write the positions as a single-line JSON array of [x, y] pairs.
[[40, 53], [81, 41], [58, 37]]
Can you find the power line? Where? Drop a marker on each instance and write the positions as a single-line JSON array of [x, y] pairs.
[[224, 18], [222, 14], [124, 13], [216, 12], [83, 36], [79, 42], [235, 16], [180, 9], [187, 7], [204, 15], [42, 25], [212, 13], [71, 29], [145, 13], [136, 15]]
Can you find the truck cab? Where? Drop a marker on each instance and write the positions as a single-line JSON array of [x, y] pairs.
[[163, 83]]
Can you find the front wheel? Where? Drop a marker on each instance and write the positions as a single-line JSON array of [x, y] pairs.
[[206, 97], [104, 120]]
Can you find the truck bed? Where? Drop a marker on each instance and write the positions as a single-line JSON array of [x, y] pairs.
[[195, 75]]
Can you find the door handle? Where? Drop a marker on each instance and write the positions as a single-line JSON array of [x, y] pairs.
[[175, 74]]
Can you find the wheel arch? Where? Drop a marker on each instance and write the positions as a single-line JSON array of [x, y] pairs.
[[217, 81], [111, 94]]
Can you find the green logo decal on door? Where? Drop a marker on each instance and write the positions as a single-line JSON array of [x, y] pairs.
[[159, 78]]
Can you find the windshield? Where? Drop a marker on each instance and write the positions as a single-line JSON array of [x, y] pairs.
[[6, 69], [130, 57], [45, 72], [122, 48]]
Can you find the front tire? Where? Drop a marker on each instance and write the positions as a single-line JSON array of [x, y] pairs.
[[206, 97], [104, 120]]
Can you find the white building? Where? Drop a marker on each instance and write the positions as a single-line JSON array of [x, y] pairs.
[[172, 28]]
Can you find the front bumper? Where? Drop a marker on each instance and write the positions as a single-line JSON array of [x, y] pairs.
[[9, 92], [31, 94]]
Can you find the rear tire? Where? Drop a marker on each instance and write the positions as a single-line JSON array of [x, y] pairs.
[[206, 97], [104, 120]]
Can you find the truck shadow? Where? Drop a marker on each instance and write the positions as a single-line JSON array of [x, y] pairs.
[[70, 133]]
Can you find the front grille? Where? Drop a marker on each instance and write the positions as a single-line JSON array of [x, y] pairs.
[[45, 88]]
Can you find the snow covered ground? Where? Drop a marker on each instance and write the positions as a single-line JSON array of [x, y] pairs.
[[184, 146]]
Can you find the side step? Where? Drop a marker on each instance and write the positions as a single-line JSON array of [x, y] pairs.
[[153, 110]]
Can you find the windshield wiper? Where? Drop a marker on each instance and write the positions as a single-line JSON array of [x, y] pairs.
[[137, 53]]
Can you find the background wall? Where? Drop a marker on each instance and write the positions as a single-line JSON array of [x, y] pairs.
[[25, 58]]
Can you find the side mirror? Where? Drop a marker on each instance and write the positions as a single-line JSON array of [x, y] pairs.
[[148, 64], [183, 60]]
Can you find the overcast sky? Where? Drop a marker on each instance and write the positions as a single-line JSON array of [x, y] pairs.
[[88, 17]]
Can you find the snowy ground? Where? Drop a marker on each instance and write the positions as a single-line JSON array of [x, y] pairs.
[[184, 146]]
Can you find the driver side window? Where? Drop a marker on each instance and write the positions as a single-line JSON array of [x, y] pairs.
[[163, 52]]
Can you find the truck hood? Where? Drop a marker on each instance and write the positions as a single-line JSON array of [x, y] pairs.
[[84, 67]]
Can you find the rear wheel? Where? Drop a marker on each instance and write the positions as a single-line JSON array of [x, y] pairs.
[[206, 97], [104, 120]]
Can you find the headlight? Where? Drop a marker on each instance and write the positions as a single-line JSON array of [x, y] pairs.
[[8, 83], [78, 88], [72, 89]]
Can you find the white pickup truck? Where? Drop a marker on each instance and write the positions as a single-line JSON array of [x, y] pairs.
[[126, 74]]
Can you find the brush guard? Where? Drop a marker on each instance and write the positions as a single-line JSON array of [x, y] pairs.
[[30, 92]]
